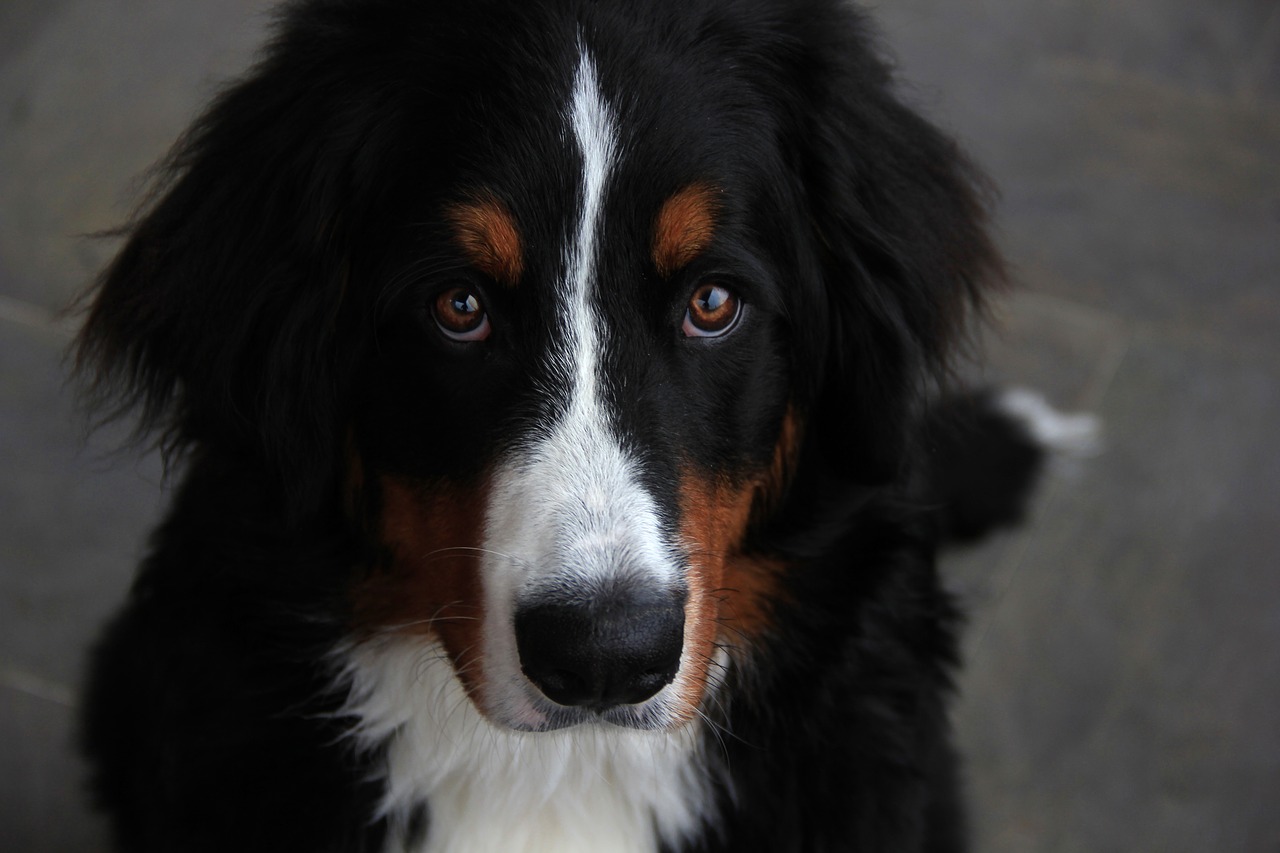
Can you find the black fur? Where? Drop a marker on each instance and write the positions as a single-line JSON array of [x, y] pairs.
[[208, 717], [267, 318]]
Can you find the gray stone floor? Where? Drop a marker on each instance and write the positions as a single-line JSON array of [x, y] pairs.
[[1123, 680]]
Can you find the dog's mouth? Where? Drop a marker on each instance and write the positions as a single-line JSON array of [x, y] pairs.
[[541, 715]]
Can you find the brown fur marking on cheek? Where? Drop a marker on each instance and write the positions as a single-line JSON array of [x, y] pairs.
[[684, 227], [487, 233], [431, 585], [731, 593], [728, 590]]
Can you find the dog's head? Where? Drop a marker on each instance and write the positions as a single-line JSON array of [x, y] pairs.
[[560, 305]]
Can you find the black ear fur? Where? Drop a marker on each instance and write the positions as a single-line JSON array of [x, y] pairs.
[[901, 218], [218, 317]]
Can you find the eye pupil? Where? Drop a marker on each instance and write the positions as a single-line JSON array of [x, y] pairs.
[[713, 299], [467, 304]]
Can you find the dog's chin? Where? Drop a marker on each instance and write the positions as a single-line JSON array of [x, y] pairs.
[[534, 713]]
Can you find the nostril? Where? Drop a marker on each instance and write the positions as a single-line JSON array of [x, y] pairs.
[[560, 682], [603, 654]]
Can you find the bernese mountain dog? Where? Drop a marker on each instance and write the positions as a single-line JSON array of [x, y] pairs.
[[554, 388]]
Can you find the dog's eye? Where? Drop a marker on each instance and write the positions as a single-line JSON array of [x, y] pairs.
[[460, 315], [713, 311]]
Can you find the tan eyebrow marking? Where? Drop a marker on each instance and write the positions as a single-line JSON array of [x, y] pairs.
[[684, 227], [486, 231]]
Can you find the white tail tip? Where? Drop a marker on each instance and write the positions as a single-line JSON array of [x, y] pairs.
[[1076, 434]]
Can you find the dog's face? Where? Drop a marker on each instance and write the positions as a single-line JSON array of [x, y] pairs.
[[555, 313], [577, 395]]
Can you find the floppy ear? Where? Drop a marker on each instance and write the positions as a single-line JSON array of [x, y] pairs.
[[900, 217], [217, 318]]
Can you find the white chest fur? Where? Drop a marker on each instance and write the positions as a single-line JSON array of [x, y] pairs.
[[597, 789]]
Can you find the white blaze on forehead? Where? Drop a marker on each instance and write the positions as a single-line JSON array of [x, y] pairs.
[[568, 511], [593, 129]]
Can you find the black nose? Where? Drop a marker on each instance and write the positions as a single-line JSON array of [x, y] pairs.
[[602, 654]]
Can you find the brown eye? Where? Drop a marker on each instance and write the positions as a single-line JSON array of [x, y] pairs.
[[713, 311], [460, 315]]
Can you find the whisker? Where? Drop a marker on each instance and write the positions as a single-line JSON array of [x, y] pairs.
[[432, 619]]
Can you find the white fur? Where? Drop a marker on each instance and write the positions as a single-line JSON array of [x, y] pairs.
[[1071, 435], [587, 789]]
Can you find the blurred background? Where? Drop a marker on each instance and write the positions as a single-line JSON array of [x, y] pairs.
[[1122, 687]]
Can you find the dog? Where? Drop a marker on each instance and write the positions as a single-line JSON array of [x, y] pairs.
[[557, 393]]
